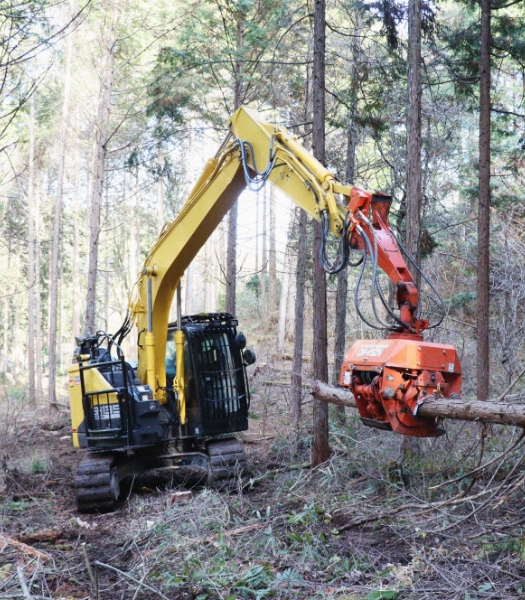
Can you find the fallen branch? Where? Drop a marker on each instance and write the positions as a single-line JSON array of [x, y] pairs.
[[501, 413], [93, 579], [23, 584], [7, 541]]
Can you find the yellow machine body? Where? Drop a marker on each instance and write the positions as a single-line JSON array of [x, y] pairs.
[[93, 380]]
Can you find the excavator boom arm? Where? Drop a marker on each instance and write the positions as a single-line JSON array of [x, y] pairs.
[[255, 151]]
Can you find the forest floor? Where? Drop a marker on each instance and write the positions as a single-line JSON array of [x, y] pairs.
[[447, 522]]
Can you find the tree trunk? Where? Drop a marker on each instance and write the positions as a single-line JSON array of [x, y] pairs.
[[16, 346], [190, 162], [55, 253], [502, 413], [342, 276], [483, 282], [300, 280], [188, 290], [75, 317], [98, 183], [31, 316], [160, 189], [209, 292], [296, 392], [413, 184], [231, 253], [138, 253], [272, 259], [38, 288], [285, 290], [257, 232], [60, 337], [320, 447], [7, 301], [264, 259]]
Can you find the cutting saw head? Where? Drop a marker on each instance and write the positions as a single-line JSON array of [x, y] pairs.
[[391, 378]]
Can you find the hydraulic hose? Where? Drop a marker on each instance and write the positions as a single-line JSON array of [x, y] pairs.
[[432, 287], [376, 284]]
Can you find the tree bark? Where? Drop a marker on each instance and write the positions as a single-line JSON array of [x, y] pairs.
[[38, 288], [31, 316], [190, 161], [285, 290], [75, 317], [98, 183], [160, 189], [209, 293], [231, 253], [320, 447], [7, 302], [300, 280], [55, 252], [272, 258], [300, 277], [342, 276], [483, 282], [413, 183], [264, 260], [16, 349], [502, 413]]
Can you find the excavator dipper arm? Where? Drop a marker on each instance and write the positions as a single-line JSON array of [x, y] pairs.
[[360, 218]]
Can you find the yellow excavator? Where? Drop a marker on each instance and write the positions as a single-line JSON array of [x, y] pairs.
[[179, 407]]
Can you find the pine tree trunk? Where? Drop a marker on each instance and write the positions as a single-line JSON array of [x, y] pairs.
[[60, 337], [320, 447], [31, 316], [285, 291], [493, 411], [55, 254], [138, 253], [264, 258], [413, 184], [257, 232], [231, 253], [38, 288], [483, 282], [300, 280], [98, 183], [16, 347], [75, 317], [342, 276], [160, 190], [188, 290], [7, 302], [209, 296], [272, 259], [190, 162], [296, 392]]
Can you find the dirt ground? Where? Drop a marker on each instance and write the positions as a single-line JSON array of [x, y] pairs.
[[360, 526]]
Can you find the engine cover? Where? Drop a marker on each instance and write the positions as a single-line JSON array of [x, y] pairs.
[[390, 378]]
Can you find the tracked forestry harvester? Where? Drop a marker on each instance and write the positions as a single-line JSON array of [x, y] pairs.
[[181, 405]]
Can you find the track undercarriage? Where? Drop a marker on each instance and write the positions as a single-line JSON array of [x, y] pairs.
[[220, 464]]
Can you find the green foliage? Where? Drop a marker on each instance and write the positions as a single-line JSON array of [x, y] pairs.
[[17, 505], [461, 300], [383, 595]]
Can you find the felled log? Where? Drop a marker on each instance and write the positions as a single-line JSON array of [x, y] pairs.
[[501, 413]]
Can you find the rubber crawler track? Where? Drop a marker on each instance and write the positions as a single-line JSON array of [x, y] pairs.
[[97, 484], [227, 462]]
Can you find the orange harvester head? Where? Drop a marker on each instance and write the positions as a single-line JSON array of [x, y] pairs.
[[391, 378]]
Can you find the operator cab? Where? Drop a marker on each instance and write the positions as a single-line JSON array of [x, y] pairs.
[[215, 381]]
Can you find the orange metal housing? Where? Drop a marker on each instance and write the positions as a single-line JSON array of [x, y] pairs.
[[391, 378]]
